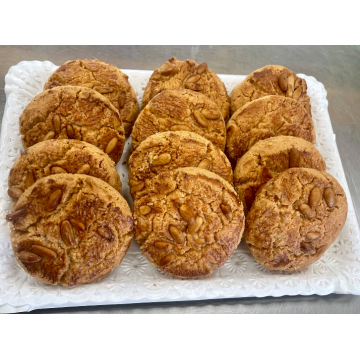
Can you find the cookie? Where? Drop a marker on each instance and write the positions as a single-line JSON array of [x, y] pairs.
[[267, 117], [269, 157], [176, 74], [70, 229], [172, 150], [56, 157], [270, 80], [72, 112], [180, 109], [294, 219], [189, 221], [106, 79]]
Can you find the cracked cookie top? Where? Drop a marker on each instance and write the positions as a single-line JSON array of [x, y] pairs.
[[176, 74], [72, 112], [180, 109], [270, 80], [56, 157], [295, 217], [269, 157], [189, 221], [172, 150], [267, 117], [70, 229], [106, 79]]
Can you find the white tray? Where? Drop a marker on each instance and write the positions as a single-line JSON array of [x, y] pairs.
[[136, 280]]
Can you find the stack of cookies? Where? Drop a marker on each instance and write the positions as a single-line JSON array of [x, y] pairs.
[[187, 215], [294, 209], [71, 224]]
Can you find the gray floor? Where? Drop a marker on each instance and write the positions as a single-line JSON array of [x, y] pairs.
[[337, 67]]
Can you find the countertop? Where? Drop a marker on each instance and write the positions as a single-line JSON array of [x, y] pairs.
[[337, 67]]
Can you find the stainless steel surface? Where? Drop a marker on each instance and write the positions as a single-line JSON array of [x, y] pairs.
[[337, 67]]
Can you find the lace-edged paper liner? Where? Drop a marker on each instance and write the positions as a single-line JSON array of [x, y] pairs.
[[136, 280]]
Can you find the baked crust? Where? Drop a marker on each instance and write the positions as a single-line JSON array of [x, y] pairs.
[[264, 82], [54, 156], [269, 157], [180, 109], [176, 74], [263, 118], [284, 230], [74, 238], [189, 221], [102, 77], [172, 150], [76, 113]]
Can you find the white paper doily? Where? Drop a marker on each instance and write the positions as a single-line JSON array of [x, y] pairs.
[[136, 280]]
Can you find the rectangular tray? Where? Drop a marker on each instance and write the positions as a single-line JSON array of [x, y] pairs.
[[136, 280]]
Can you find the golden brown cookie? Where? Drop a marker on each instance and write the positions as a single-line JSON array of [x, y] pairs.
[[70, 229], [263, 118], [189, 221], [270, 80], [106, 79], [295, 217], [72, 112], [60, 156], [180, 109], [172, 150], [176, 74], [269, 157]]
